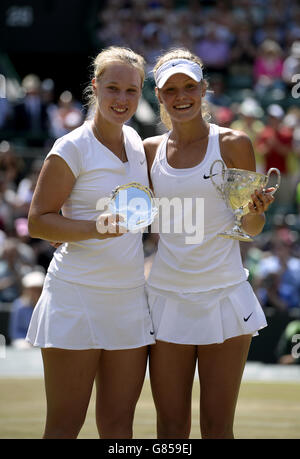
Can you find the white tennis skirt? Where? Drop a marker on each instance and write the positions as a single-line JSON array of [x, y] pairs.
[[73, 316], [205, 317]]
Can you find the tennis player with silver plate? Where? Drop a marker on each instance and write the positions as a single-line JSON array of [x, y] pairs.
[[135, 203], [236, 189]]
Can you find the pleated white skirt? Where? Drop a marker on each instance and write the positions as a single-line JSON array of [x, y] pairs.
[[206, 317], [73, 316]]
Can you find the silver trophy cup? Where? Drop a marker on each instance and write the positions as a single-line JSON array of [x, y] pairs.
[[236, 188]]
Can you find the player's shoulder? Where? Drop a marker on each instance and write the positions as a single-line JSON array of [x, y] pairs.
[[233, 137], [236, 149], [130, 131], [152, 142], [150, 145]]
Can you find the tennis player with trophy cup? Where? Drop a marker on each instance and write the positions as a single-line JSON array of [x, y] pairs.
[[203, 308]]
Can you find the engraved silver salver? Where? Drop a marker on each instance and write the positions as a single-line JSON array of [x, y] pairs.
[[135, 203]]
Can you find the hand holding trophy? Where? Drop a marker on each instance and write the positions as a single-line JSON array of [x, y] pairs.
[[135, 204], [236, 189]]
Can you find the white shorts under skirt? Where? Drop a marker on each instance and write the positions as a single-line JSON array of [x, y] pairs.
[[72, 316], [206, 317]]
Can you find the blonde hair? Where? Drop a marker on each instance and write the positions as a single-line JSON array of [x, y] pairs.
[[107, 57], [179, 53]]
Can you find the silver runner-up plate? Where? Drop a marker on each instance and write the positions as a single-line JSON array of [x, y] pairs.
[[135, 203]]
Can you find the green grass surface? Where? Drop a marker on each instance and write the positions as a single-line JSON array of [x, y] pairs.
[[265, 410]]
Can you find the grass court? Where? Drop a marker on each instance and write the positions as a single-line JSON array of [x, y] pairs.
[[266, 410]]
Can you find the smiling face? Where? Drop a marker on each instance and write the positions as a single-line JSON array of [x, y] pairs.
[[118, 90], [181, 97]]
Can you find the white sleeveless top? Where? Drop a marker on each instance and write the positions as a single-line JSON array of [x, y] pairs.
[[108, 263], [213, 263]]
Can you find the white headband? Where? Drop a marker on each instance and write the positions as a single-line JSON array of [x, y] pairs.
[[169, 68]]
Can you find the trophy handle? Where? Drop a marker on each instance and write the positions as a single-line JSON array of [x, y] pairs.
[[274, 169], [218, 188]]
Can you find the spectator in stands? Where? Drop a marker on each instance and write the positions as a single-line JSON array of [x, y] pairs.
[[214, 49], [251, 12], [249, 120], [10, 271], [186, 27], [275, 144], [33, 251], [217, 93], [25, 249], [223, 116], [130, 29], [298, 197], [48, 97], [243, 50], [26, 188], [271, 27], [68, 115], [292, 121], [222, 14], [5, 113], [293, 29], [296, 131], [279, 276], [268, 293], [108, 27], [10, 164], [268, 67], [6, 209], [30, 115], [22, 308], [151, 45]]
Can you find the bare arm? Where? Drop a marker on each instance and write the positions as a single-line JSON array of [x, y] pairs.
[[237, 152], [150, 146], [54, 185]]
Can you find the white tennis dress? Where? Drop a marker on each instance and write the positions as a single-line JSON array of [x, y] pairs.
[[198, 292], [94, 292]]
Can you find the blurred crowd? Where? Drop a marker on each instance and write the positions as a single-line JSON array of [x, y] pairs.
[[37, 117], [29, 125], [252, 36], [251, 55]]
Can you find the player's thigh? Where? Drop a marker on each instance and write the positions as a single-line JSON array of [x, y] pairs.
[[172, 369], [69, 377], [119, 380], [220, 368]]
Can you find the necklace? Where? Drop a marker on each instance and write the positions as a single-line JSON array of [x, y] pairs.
[[123, 151]]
